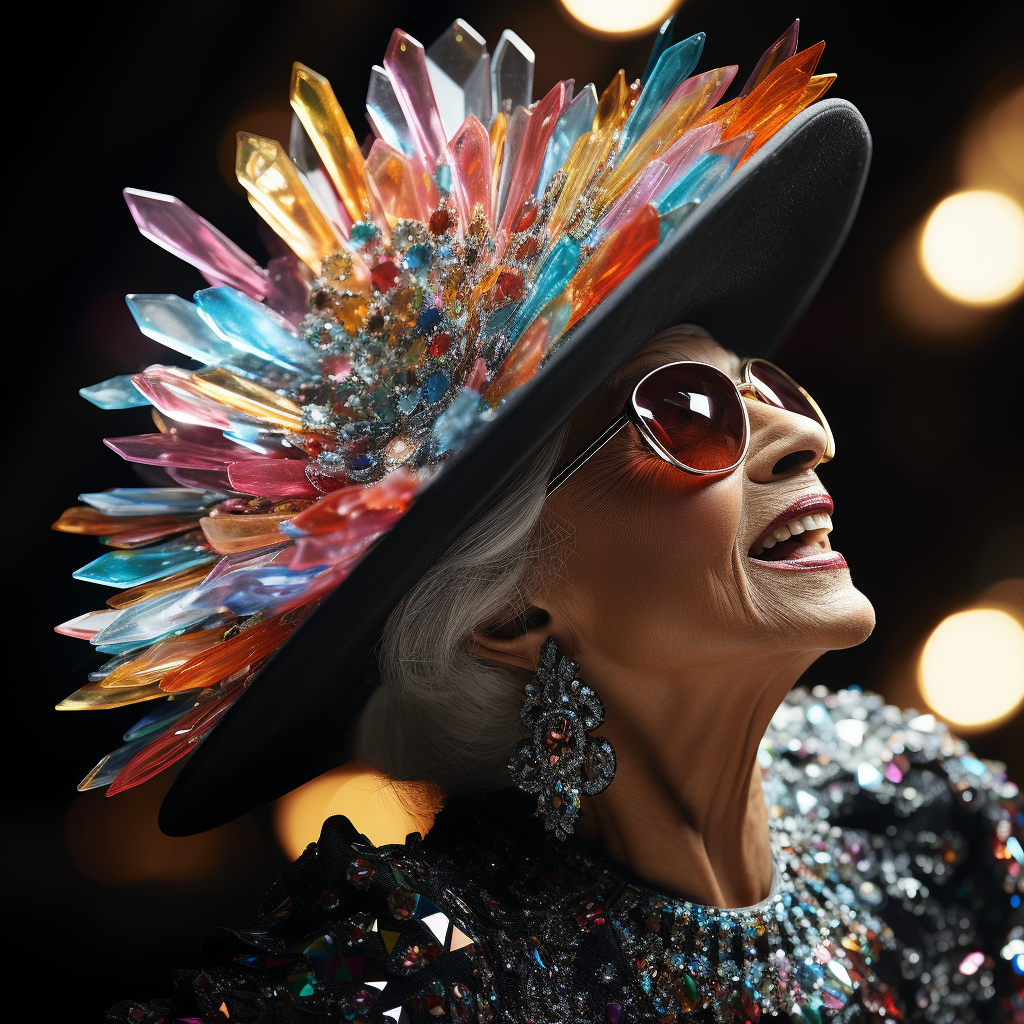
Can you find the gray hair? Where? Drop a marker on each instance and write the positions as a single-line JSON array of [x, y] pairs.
[[442, 713]]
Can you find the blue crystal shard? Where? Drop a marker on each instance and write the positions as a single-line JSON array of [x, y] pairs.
[[661, 43], [577, 120], [511, 74], [152, 501], [162, 715], [701, 180], [143, 565], [461, 421], [250, 327], [176, 323], [116, 393], [672, 69], [674, 218], [552, 276], [384, 113], [460, 75]]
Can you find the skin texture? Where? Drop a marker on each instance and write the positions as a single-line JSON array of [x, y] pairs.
[[689, 642]]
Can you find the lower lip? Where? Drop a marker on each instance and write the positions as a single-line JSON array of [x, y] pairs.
[[813, 563]]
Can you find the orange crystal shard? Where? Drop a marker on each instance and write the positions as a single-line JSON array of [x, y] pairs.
[[167, 585], [316, 106], [278, 195], [157, 661], [239, 654], [391, 185], [229, 534], [520, 364], [499, 129], [814, 90], [93, 523], [614, 260], [251, 399], [766, 108]]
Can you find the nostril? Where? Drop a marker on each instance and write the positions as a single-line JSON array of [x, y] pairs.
[[793, 461]]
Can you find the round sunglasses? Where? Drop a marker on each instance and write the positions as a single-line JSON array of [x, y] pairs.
[[693, 416]]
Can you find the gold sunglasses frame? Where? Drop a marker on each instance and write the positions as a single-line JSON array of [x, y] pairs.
[[745, 388]]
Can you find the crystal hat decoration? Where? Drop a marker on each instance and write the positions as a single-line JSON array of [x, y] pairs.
[[428, 275]]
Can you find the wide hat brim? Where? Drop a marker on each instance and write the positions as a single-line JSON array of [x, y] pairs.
[[744, 266]]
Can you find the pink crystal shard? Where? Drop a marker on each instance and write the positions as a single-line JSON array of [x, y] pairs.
[[272, 478], [406, 64], [469, 157], [288, 287], [535, 143], [174, 227], [174, 450]]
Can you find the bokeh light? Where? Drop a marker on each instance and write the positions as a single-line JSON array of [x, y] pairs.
[[992, 151], [972, 248], [971, 670], [618, 18], [384, 811]]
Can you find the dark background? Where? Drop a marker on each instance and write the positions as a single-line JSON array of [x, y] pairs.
[[926, 486]]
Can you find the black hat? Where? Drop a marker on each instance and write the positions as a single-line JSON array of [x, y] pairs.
[[744, 264]]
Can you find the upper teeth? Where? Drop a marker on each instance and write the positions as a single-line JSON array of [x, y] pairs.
[[802, 524]]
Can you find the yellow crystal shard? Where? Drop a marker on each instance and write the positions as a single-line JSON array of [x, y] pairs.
[[314, 103], [236, 392], [674, 121], [591, 150], [94, 697], [278, 195], [499, 129], [163, 657]]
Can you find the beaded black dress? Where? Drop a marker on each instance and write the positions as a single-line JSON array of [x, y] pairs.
[[896, 896]]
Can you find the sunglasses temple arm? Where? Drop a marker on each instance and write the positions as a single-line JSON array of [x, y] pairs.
[[587, 454]]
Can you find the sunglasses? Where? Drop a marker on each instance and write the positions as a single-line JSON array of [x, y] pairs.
[[693, 416]]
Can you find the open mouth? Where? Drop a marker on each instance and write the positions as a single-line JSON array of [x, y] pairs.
[[798, 539]]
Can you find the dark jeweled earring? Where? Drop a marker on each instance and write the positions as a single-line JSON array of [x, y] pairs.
[[561, 760]]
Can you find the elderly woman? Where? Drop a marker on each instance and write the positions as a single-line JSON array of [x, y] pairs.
[[537, 539]]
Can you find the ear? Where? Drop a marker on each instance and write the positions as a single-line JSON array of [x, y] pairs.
[[515, 640]]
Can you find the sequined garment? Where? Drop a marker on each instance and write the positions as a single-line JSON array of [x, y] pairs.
[[896, 896]]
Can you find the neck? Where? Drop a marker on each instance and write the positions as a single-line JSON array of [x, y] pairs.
[[685, 811]]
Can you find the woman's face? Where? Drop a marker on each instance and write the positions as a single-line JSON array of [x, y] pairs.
[[661, 567]]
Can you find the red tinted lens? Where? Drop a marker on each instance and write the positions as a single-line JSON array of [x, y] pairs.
[[695, 413], [780, 390]]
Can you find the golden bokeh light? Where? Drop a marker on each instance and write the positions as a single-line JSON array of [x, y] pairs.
[[971, 670], [384, 811], [617, 18], [972, 247], [992, 151]]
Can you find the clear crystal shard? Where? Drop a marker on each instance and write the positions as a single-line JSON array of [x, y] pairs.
[[576, 120], [460, 72], [316, 179], [169, 223], [152, 501], [511, 74], [278, 195], [384, 113], [316, 106], [116, 393], [406, 64]]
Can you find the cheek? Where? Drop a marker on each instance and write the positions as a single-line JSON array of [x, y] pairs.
[[659, 553]]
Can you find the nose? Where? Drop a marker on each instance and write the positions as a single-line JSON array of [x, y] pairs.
[[782, 443]]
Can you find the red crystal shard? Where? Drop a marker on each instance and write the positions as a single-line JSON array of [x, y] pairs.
[[273, 478], [384, 276], [509, 286], [180, 738], [440, 343], [338, 511]]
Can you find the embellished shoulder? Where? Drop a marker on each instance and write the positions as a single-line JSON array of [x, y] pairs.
[[927, 836], [348, 932]]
